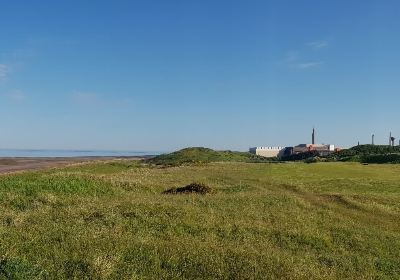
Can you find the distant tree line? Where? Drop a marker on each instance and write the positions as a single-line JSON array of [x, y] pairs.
[[360, 153], [300, 156]]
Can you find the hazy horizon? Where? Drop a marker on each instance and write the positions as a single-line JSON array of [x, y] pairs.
[[160, 76]]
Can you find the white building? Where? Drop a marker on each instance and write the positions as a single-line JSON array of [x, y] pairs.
[[266, 151]]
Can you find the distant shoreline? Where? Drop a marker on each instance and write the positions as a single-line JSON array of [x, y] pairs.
[[60, 153], [20, 164]]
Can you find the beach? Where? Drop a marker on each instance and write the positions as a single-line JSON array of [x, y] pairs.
[[20, 164]]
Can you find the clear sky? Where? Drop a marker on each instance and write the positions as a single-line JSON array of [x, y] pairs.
[[162, 75]]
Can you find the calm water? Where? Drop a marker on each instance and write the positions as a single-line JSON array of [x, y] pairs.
[[71, 153]]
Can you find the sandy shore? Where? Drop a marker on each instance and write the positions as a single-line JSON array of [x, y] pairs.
[[11, 165]]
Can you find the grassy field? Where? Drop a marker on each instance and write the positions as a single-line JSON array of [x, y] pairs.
[[262, 221]]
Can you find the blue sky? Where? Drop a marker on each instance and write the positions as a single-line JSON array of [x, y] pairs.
[[162, 75]]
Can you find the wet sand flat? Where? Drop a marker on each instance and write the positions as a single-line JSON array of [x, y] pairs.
[[10, 165]]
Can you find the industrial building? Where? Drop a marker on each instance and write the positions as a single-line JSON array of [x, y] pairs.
[[321, 149]]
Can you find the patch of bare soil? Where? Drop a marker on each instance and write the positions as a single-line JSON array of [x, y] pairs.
[[11, 165], [8, 161]]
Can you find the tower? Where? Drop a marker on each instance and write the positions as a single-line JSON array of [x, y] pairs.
[[391, 140], [313, 136], [373, 137]]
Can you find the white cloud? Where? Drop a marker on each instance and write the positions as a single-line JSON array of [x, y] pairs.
[[4, 70], [293, 60], [291, 57], [308, 65], [316, 45], [82, 97], [16, 95]]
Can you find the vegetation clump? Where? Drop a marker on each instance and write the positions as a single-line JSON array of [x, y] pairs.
[[387, 158], [312, 160], [300, 156], [378, 154], [369, 154], [197, 188]]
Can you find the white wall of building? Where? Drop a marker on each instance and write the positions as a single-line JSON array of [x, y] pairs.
[[266, 151]]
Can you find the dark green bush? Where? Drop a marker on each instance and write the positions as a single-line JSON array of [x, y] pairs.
[[368, 154], [388, 158]]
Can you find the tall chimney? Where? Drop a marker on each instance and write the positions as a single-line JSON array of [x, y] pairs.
[[313, 136], [373, 136]]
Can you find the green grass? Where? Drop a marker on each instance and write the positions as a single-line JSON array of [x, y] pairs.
[[262, 221]]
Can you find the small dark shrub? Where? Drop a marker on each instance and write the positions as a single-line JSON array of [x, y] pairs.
[[192, 188], [301, 156], [20, 269], [312, 160], [78, 269]]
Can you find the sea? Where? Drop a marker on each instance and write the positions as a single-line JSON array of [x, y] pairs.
[[72, 153]]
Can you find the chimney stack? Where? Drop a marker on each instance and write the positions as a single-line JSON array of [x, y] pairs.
[[313, 136]]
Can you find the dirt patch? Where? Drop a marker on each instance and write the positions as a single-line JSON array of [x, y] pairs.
[[195, 188], [6, 161], [12, 165]]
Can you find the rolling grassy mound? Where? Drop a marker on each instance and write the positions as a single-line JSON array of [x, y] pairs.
[[204, 155]]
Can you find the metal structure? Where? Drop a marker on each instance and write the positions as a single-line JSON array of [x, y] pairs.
[[392, 139]]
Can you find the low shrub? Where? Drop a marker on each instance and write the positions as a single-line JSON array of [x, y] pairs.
[[191, 188], [388, 158]]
